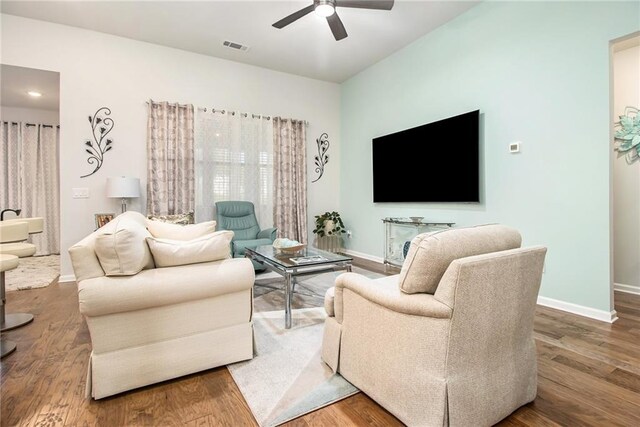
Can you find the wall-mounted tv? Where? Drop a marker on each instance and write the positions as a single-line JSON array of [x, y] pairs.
[[436, 162]]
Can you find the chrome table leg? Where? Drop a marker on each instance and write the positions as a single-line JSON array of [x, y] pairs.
[[288, 279]]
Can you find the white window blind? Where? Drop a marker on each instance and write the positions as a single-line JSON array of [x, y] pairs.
[[234, 161]]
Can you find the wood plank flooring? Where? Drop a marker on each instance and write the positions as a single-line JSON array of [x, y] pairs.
[[589, 374]]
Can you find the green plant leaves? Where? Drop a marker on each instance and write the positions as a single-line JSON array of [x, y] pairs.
[[321, 220]]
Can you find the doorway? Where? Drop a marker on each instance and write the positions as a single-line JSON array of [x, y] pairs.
[[625, 168], [29, 160]]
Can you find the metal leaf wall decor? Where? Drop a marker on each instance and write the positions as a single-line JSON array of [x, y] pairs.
[[627, 136], [101, 125], [322, 158]]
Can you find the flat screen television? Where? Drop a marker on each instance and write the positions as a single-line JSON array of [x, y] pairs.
[[436, 162]]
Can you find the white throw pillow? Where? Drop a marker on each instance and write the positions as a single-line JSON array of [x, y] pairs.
[[212, 247], [164, 230], [123, 250]]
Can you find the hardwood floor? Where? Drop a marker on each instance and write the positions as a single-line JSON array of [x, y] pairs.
[[589, 374]]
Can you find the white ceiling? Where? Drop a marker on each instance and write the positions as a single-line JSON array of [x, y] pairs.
[[305, 48], [15, 82]]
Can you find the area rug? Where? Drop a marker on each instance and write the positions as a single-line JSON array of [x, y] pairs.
[[286, 378], [33, 272]]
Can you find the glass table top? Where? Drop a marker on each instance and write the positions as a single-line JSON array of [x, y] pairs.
[[303, 258]]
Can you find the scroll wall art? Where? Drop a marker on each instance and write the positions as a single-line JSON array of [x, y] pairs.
[[96, 147], [322, 158]]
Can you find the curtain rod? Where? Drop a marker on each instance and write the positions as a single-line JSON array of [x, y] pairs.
[[255, 116], [32, 124], [233, 113]]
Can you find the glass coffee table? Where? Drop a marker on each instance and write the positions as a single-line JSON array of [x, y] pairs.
[[305, 262]]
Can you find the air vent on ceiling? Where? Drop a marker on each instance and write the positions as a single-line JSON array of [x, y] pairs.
[[237, 46]]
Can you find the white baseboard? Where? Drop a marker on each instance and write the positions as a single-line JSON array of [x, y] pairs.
[[592, 313], [629, 289], [602, 315], [67, 278], [373, 258]]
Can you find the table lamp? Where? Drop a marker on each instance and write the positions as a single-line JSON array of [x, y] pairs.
[[123, 187]]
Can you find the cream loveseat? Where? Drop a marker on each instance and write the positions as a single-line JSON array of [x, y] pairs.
[[160, 323], [449, 341]]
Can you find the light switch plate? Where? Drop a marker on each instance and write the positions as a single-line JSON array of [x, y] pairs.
[[80, 193]]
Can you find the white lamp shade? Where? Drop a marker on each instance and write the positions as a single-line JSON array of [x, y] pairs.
[[123, 187]]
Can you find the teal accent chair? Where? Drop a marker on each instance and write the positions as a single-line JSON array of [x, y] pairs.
[[240, 217]]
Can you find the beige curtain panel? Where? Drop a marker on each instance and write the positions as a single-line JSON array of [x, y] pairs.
[[170, 158], [29, 178], [290, 178], [10, 198]]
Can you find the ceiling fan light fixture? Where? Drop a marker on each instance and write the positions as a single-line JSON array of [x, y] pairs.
[[325, 8]]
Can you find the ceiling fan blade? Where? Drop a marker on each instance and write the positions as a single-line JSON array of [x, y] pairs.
[[293, 17], [364, 4], [337, 28]]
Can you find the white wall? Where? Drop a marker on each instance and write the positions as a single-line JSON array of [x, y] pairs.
[[101, 70], [626, 177], [29, 115]]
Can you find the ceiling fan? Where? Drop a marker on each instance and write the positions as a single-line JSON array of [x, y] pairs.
[[327, 9]]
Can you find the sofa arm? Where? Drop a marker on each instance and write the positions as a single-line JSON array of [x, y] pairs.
[[268, 233], [387, 294], [158, 287]]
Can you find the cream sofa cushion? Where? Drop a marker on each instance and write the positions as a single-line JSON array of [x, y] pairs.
[[210, 247], [124, 250], [430, 254], [86, 264], [164, 230]]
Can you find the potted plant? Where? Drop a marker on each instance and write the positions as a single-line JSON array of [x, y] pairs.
[[329, 224]]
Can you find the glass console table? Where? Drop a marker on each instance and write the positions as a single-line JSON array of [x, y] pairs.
[[399, 231]]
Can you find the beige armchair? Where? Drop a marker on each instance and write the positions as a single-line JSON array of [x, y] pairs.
[[449, 341]]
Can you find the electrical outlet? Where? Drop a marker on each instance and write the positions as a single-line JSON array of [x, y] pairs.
[[349, 234], [514, 147], [80, 193]]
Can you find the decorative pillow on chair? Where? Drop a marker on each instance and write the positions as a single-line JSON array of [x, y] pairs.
[[431, 253], [123, 250], [211, 247], [183, 219], [164, 230]]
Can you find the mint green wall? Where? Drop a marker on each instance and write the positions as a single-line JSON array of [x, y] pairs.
[[539, 73]]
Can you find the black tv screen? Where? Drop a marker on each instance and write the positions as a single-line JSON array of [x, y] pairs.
[[436, 162]]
